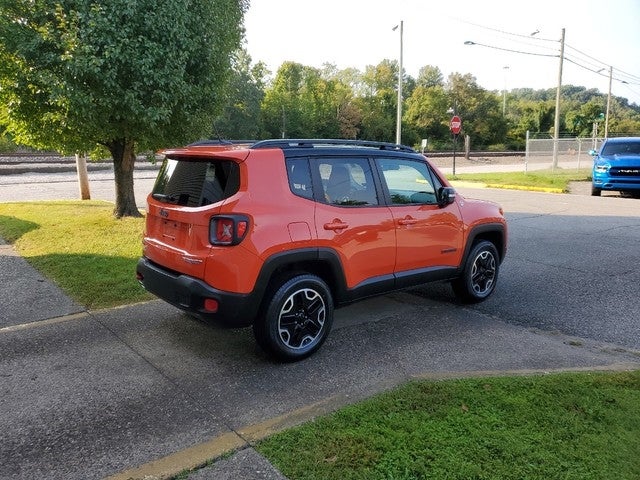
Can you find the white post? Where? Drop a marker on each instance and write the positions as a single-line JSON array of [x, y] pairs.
[[83, 176], [579, 151], [526, 152]]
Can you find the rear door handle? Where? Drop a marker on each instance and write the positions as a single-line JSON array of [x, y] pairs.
[[336, 224], [407, 221]]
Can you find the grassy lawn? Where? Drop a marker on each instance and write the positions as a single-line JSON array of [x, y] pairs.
[[539, 179], [562, 426], [80, 246]]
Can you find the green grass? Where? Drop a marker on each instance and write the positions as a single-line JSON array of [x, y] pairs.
[[543, 179], [80, 246], [562, 426]]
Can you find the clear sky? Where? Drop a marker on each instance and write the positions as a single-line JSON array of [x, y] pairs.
[[357, 33]]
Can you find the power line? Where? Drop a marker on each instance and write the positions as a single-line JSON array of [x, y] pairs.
[[530, 36], [627, 78], [597, 72], [635, 77], [469, 42], [600, 65]]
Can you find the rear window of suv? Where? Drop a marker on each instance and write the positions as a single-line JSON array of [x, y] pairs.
[[196, 183]]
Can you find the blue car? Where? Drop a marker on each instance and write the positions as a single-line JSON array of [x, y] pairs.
[[617, 166]]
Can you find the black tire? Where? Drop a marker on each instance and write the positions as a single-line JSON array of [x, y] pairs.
[[595, 192], [296, 319], [480, 274]]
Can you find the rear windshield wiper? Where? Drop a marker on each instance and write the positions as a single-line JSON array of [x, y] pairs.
[[180, 199]]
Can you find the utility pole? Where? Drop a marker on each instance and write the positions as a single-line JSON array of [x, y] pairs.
[[556, 125], [606, 118], [504, 92], [399, 110]]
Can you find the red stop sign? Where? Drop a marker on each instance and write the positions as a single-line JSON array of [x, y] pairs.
[[455, 125]]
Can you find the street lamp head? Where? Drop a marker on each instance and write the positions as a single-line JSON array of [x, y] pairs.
[[469, 42]]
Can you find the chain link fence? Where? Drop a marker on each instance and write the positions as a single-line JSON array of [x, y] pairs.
[[571, 153]]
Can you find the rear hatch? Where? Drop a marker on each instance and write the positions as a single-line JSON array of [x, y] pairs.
[[189, 190]]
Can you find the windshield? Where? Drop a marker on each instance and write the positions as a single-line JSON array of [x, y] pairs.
[[194, 183], [622, 148]]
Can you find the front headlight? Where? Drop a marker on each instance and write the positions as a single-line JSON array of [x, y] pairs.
[[602, 167]]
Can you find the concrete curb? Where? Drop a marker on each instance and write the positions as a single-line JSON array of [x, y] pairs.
[[468, 184]]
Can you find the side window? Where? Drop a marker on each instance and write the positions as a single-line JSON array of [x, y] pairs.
[[408, 182], [347, 181], [300, 177]]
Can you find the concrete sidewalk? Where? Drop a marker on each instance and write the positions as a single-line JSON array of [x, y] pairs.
[[26, 294]]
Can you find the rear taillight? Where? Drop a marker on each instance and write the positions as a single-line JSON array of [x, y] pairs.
[[228, 229]]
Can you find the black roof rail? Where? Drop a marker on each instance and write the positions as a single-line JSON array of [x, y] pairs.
[[217, 141], [319, 143]]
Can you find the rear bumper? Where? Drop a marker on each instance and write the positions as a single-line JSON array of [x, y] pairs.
[[189, 294]]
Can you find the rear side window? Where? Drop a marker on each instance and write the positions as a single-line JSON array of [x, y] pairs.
[[194, 183], [299, 177]]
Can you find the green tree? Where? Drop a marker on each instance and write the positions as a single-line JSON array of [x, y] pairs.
[[426, 113], [480, 110], [241, 117], [120, 74], [281, 111], [425, 108], [430, 76], [379, 100], [302, 103]]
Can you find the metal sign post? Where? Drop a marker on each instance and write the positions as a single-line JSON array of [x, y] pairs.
[[455, 126]]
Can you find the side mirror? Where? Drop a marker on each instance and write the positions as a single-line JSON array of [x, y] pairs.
[[446, 196], [593, 153]]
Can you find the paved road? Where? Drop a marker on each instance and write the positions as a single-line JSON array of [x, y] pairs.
[[97, 393], [572, 265], [64, 186]]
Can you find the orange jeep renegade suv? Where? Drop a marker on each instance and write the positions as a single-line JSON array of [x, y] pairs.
[[278, 233]]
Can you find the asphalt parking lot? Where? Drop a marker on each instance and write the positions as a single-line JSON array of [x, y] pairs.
[[144, 389]]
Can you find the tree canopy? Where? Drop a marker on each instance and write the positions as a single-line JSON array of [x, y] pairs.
[[124, 75], [303, 101]]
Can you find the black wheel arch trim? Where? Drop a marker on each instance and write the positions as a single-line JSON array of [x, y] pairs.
[[323, 262], [494, 232]]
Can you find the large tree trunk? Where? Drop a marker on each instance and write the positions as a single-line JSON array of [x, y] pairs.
[[122, 151]]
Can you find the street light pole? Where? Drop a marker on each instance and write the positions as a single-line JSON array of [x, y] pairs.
[[399, 109], [504, 92], [606, 118], [556, 124]]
